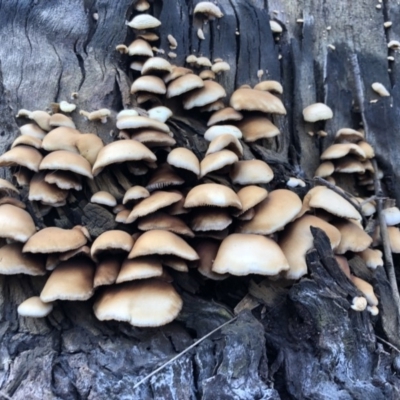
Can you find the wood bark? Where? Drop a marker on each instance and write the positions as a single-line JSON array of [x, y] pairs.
[[303, 341]]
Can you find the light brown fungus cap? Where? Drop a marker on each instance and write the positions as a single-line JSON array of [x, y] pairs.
[[149, 83], [138, 122], [28, 141], [40, 190], [122, 151], [184, 84], [212, 194], [241, 254], [110, 241], [139, 268], [15, 223], [225, 141], [154, 202], [340, 150], [327, 168], [216, 161], [152, 138], [24, 156], [330, 201], [272, 214], [55, 240], [107, 271], [256, 128], [226, 114], [13, 261], [104, 198], [7, 187], [372, 258], [164, 176], [34, 308], [297, 240], [269, 86], [163, 243], [67, 161], [71, 280], [353, 238], [349, 135], [89, 146], [207, 250], [165, 222], [58, 119], [135, 193], [212, 91], [156, 65], [210, 220], [183, 158], [251, 172], [147, 303], [32, 130], [64, 180], [218, 130], [256, 100], [250, 196]]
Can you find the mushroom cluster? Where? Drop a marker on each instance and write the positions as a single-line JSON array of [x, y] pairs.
[[178, 211]]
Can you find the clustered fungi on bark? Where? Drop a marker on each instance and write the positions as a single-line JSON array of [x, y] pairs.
[[177, 212]]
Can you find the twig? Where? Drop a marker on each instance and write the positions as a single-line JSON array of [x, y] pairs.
[[387, 251], [182, 353], [386, 342], [340, 193]]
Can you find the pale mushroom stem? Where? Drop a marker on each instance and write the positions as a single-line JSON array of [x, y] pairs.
[[389, 264]]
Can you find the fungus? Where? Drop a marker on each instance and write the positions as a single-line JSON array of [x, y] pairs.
[[380, 89], [317, 112], [147, 303], [256, 100], [144, 21], [241, 254], [34, 307]]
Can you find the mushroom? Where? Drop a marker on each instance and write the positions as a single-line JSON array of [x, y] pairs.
[[317, 112], [144, 21], [241, 254], [256, 100], [147, 303], [34, 307], [210, 10], [15, 223]]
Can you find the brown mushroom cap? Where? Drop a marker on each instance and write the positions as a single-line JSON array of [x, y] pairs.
[[257, 127], [210, 92], [208, 9], [225, 141], [256, 100], [340, 150], [7, 187], [207, 250], [330, 201], [250, 196], [297, 240], [212, 194], [184, 84], [251, 172], [145, 303], [269, 86], [107, 270], [366, 289], [176, 73], [226, 114], [183, 158], [140, 268], [210, 220], [40, 190], [216, 161], [13, 261], [138, 122], [135, 193], [154, 202], [152, 138], [163, 243], [64, 180], [104, 198], [218, 130], [42, 118], [110, 241], [54, 240], [372, 258], [27, 140], [156, 65], [89, 146], [71, 280], [163, 177], [272, 214], [241, 254], [58, 119], [15, 223], [149, 83], [349, 135], [122, 151], [67, 161], [34, 308], [353, 238], [24, 156], [163, 221], [32, 130], [327, 168]]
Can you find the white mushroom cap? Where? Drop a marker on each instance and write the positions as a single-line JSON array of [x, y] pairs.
[[212, 194], [317, 112], [144, 21], [218, 130], [241, 254], [208, 8], [392, 216], [104, 198], [34, 308], [147, 303], [251, 172]]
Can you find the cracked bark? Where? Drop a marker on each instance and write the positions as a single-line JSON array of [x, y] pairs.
[[308, 343]]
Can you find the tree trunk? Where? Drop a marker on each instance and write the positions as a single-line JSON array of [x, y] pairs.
[[304, 342]]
